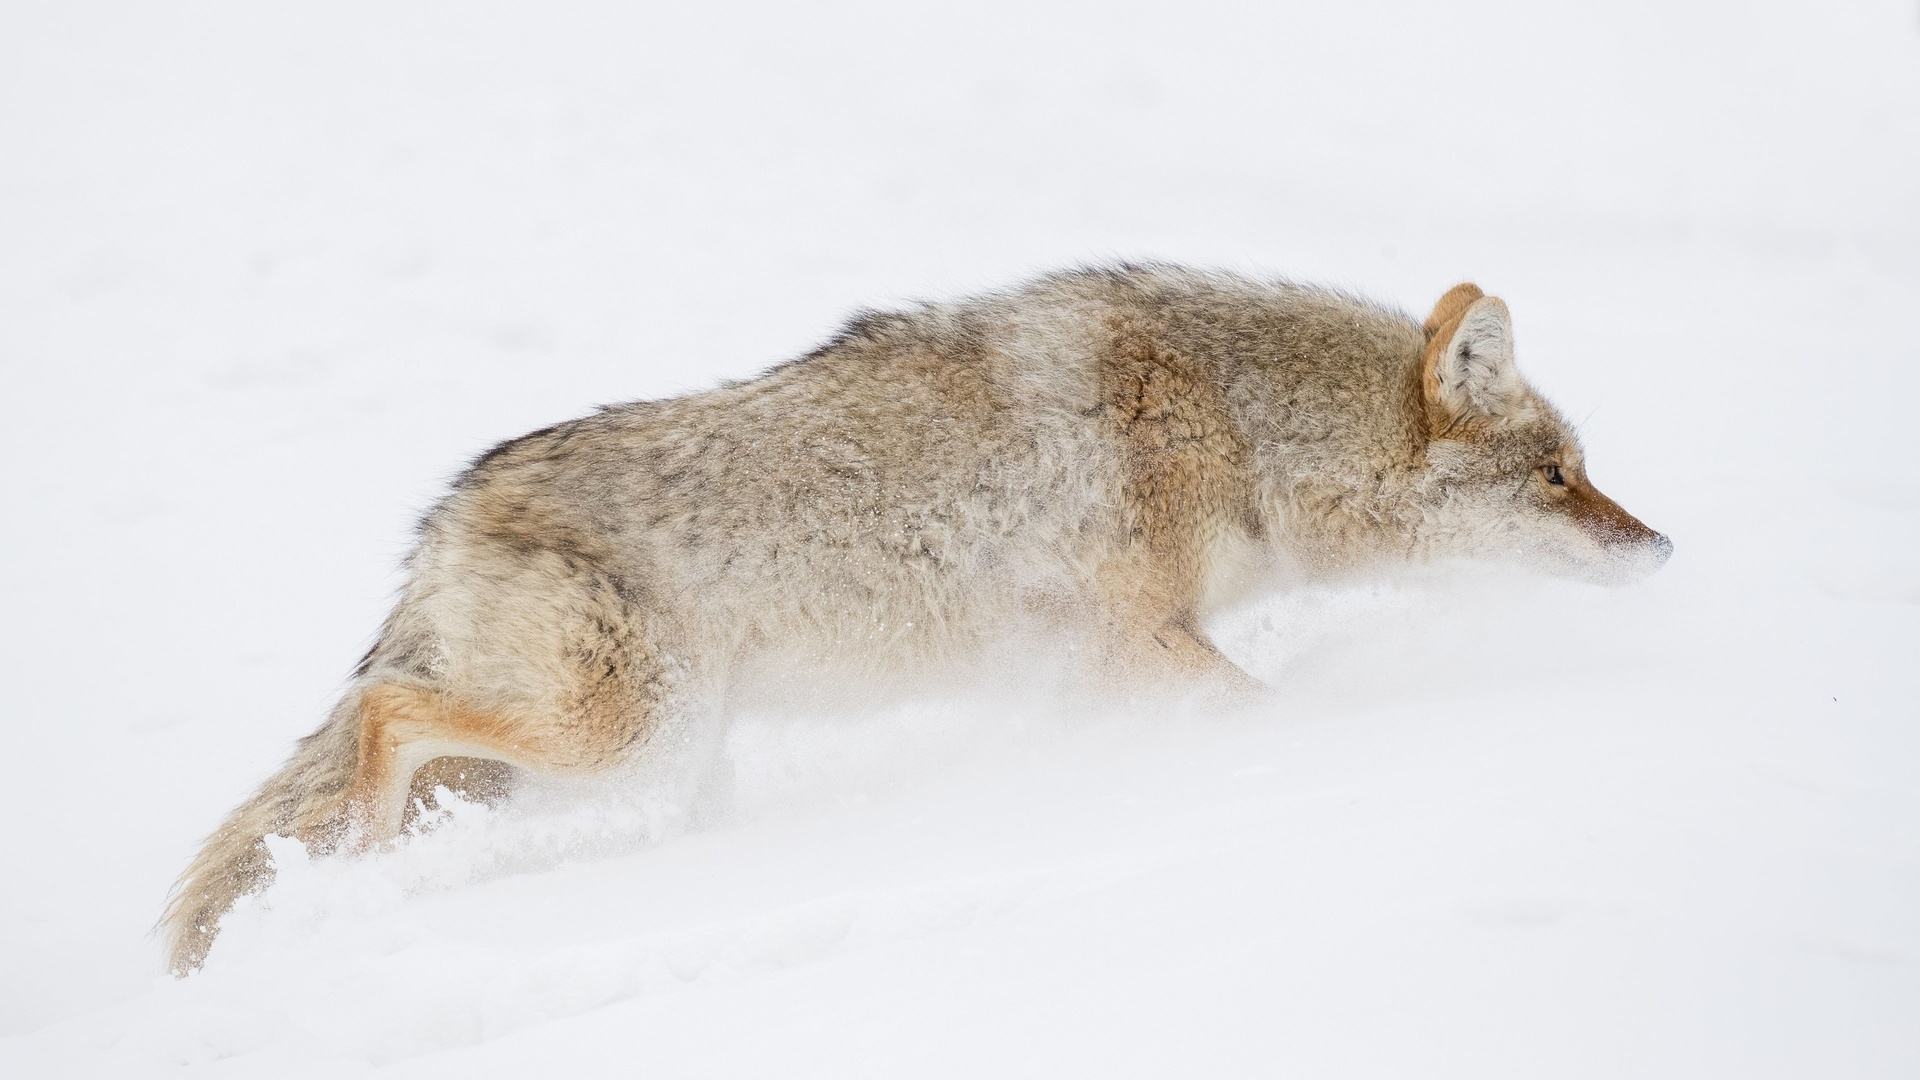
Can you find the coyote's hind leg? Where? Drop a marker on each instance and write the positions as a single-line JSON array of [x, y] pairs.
[[469, 779], [403, 727]]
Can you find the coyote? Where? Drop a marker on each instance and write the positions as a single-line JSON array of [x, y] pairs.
[[1110, 452]]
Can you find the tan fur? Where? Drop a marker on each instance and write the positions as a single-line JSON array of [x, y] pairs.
[[1115, 449], [403, 728], [1187, 486]]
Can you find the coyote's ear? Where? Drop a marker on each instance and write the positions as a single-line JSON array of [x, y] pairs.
[[1468, 367]]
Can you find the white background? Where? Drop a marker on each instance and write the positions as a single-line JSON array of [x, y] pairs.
[[269, 274]]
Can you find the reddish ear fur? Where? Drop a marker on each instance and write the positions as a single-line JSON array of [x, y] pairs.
[[1446, 313], [1440, 329]]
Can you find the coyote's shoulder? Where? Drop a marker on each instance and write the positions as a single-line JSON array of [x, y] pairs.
[[1109, 452]]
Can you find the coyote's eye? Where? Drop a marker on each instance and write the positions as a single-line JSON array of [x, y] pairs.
[[1552, 473]]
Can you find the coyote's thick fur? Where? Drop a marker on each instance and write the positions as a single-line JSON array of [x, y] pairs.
[[1116, 450]]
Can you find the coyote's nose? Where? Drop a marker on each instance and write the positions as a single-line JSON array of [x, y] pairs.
[[1662, 550]]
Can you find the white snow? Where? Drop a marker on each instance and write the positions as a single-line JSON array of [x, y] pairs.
[[270, 273]]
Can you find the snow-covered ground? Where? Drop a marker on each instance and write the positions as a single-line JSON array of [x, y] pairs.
[[269, 274]]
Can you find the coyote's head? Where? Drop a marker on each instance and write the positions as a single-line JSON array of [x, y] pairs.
[[1505, 475]]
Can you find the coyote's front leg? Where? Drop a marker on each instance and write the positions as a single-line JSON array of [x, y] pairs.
[[1173, 656], [1153, 642]]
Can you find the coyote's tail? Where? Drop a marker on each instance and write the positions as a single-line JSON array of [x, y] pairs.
[[304, 798]]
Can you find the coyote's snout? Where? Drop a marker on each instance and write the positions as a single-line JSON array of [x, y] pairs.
[[1118, 451]]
